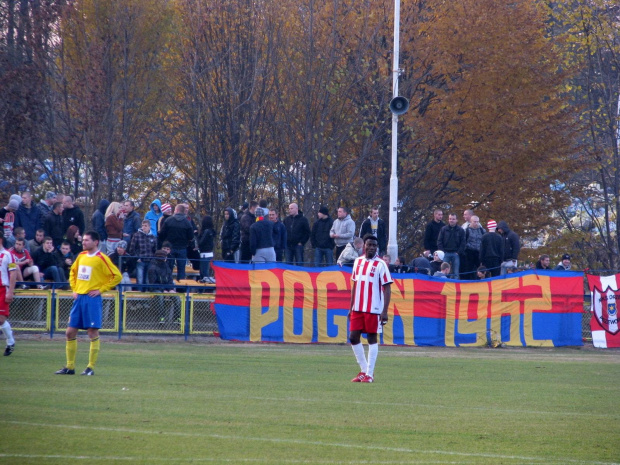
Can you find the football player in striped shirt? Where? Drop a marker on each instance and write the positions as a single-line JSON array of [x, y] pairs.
[[8, 276], [92, 273], [370, 298]]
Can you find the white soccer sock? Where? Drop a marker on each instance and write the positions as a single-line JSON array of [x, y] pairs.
[[358, 350], [373, 350], [8, 333]]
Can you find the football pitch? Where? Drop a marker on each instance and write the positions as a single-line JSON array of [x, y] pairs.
[[179, 402]]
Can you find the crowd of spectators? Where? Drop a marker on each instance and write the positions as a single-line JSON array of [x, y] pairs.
[[45, 238]]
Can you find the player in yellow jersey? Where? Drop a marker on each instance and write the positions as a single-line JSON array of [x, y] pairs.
[[91, 274]]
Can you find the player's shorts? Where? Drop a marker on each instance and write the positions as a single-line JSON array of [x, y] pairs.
[[86, 312], [4, 307], [369, 323]]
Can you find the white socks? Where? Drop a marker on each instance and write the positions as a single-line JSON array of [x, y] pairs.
[[358, 350], [373, 350], [6, 329]]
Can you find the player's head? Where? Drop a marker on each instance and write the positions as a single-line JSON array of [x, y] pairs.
[[370, 245], [90, 241]]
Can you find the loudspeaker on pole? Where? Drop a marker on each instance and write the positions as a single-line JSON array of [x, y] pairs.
[[399, 105]]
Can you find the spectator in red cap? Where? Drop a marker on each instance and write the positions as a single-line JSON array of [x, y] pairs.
[[492, 249]]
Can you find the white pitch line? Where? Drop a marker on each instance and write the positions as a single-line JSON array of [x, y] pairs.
[[317, 443], [220, 460]]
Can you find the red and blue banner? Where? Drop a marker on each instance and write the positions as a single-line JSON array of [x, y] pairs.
[[605, 295], [282, 303]]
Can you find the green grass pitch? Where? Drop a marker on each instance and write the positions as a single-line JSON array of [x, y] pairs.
[[178, 402]]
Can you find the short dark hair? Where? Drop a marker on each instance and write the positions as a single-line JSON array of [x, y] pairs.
[[130, 202], [40, 230], [262, 203], [94, 235], [66, 243], [253, 203], [346, 209], [370, 237], [55, 205], [166, 244], [21, 239], [47, 238]]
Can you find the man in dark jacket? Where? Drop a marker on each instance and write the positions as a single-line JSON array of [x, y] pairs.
[[492, 249], [131, 220], [431, 234], [321, 241], [28, 216], [49, 262], [72, 215], [54, 224], [247, 220], [179, 232], [297, 234], [159, 272], [98, 222], [229, 235], [261, 239], [452, 241], [279, 235], [375, 226], [512, 247]]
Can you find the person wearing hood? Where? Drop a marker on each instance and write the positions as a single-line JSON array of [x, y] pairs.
[[343, 230], [98, 223], [375, 226], [297, 234], [247, 220], [229, 235], [153, 215], [28, 216], [179, 232], [206, 246], [511, 246], [7, 220]]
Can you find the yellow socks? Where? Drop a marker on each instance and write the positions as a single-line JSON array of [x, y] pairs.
[[71, 349], [94, 352]]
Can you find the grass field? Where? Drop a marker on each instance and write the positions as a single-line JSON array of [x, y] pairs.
[[224, 403]]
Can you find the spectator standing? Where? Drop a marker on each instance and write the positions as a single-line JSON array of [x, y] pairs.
[[343, 230], [113, 226], [229, 235], [467, 214], [7, 219], [492, 249], [72, 215], [279, 235], [131, 220], [565, 264], [375, 226], [36, 243], [471, 256], [261, 239], [143, 246], [431, 233], [452, 241], [544, 262], [54, 224], [166, 212], [153, 215], [179, 232], [297, 234], [511, 246], [321, 240], [49, 262], [46, 205], [206, 244], [247, 219], [28, 216], [98, 223]]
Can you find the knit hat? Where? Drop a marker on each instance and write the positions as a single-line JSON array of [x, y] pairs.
[[160, 254], [166, 208], [259, 212], [13, 204], [324, 210], [491, 225], [440, 254], [566, 257], [121, 244]]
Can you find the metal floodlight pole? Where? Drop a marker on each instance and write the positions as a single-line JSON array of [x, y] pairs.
[[392, 248]]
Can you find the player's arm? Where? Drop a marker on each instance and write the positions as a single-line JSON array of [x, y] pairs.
[[387, 294], [113, 273], [352, 298], [73, 275], [12, 281]]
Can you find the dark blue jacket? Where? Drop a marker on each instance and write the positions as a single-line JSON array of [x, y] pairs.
[[279, 235], [261, 235], [29, 219]]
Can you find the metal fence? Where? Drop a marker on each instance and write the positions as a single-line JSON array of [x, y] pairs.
[[132, 312], [190, 312]]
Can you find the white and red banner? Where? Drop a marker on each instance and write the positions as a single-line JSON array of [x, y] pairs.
[[605, 295]]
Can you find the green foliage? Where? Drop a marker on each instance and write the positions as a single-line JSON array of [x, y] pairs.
[[283, 404]]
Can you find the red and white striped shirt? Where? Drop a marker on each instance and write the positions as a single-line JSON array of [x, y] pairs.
[[370, 277]]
